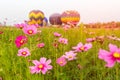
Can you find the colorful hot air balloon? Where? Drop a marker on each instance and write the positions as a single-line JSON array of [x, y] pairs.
[[36, 17], [70, 16], [55, 19], [44, 22]]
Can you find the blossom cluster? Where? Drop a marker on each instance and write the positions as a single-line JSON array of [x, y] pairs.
[[43, 65]]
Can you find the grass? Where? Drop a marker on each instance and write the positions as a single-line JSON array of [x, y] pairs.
[[13, 67]]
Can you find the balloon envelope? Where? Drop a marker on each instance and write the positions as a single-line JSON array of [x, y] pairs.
[[55, 19], [71, 16], [36, 16], [45, 22]]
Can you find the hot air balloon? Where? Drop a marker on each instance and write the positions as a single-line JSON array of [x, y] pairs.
[[36, 17], [70, 17], [44, 22], [55, 19]]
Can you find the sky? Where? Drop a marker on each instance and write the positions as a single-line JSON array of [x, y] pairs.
[[91, 11]]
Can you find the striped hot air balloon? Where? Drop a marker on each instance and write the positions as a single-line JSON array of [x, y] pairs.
[[70, 16], [36, 17], [55, 19], [45, 22]]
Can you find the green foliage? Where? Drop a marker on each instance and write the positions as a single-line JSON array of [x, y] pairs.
[[87, 66]]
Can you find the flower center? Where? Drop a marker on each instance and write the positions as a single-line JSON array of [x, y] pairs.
[[40, 66], [24, 53], [21, 41], [21, 27], [70, 56], [40, 46], [82, 48], [30, 31], [55, 45], [61, 62], [116, 55], [62, 41]]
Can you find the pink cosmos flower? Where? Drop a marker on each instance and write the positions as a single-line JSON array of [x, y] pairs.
[[70, 55], [30, 29], [63, 40], [23, 52], [110, 57], [22, 25], [90, 40], [100, 39], [66, 27], [20, 40], [80, 47], [41, 66], [41, 45], [113, 37], [55, 44], [57, 34], [61, 61]]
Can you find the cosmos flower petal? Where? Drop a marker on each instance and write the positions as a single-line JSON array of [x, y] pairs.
[[49, 67], [57, 34], [80, 44], [88, 45], [38, 71], [35, 62], [48, 61], [112, 47], [32, 69], [74, 47], [118, 60], [109, 59], [44, 70], [19, 54], [102, 54], [90, 40], [43, 60], [111, 64]]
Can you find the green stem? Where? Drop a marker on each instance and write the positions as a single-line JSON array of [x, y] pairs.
[[117, 72]]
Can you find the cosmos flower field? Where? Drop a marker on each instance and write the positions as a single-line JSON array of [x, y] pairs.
[[56, 53]]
